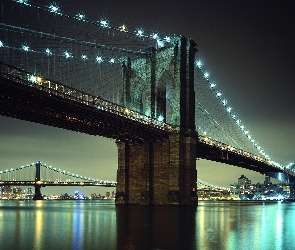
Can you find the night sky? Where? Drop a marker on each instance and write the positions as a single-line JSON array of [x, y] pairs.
[[248, 48]]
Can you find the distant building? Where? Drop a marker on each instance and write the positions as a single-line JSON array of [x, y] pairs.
[[245, 190]]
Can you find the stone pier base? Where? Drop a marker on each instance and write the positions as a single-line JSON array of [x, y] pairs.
[[162, 172]]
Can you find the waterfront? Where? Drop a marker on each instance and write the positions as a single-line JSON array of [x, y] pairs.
[[100, 224]]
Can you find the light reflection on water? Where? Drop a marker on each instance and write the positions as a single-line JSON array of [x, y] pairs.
[[102, 225]]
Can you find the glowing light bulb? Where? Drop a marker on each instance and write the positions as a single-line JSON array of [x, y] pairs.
[[123, 28], [167, 39], [199, 64], [67, 54], [112, 60], [155, 36], [99, 59], [48, 52], [161, 118], [139, 32], [25, 47], [206, 75], [219, 94], [84, 57], [212, 85], [54, 9], [80, 16], [32, 78], [25, 2], [1, 44], [104, 23]]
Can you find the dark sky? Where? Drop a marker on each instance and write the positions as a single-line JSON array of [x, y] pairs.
[[248, 48]]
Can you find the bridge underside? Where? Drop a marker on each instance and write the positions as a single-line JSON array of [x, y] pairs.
[[34, 105], [205, 151]]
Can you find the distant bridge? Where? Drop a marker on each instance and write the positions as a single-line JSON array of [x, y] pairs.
[[59, 177]]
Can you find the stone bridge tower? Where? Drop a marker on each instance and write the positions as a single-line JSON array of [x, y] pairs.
[[163, 171]]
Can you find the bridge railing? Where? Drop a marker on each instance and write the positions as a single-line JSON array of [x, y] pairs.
[[52, 87], [238, 151]]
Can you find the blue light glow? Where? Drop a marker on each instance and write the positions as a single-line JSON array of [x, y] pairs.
[[80, 16], [67, 54], [54, 9], [25, 2], [167, 39], [32, 78], [1, 44], [99, 59], [206, 75], [84, 57], [139, 32], [160, 43], [104, 23], [161, 118], [48, 52], [112, 60], [199, 64], [25, 47], [155, 36]]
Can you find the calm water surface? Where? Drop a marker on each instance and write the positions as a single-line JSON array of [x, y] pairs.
[[102, 225]]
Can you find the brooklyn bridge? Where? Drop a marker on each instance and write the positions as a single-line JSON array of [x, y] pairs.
[[148, 93]]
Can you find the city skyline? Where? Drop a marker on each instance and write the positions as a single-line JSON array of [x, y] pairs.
[[246, 47]]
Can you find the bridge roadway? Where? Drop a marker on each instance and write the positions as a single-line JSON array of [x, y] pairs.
[[49, 103], [41, 101]]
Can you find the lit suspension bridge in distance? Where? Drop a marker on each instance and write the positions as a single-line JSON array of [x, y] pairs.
[[27, 175], [52, 176]]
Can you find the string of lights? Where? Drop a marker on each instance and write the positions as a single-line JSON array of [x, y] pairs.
[[213, 86], [104, 23]]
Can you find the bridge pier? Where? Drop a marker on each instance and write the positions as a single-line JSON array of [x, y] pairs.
[[162, 172], [38, 195]]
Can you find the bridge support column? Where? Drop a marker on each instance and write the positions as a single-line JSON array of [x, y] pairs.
[[38, 195], [162, 172]]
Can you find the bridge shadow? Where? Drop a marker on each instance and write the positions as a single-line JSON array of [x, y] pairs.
[[156, 227]]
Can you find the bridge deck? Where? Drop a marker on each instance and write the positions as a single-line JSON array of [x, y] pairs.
[[31, 104]]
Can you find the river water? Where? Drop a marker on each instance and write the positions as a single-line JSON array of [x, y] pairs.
[[100, 224]]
